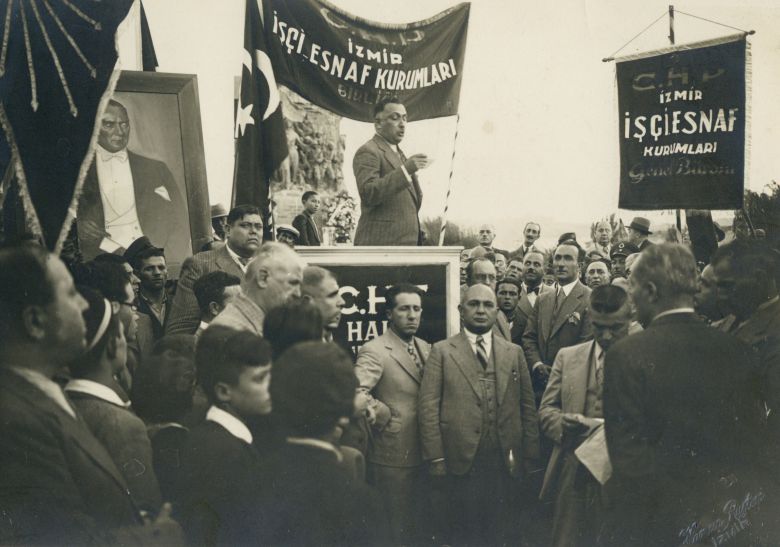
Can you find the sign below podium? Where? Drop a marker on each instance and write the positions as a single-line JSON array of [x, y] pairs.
[[365, 273]]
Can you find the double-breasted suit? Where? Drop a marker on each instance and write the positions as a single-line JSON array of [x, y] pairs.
[[389, 203], [388, 372], [184, 315]]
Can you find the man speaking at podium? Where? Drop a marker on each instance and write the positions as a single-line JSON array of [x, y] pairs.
[[390, 194]]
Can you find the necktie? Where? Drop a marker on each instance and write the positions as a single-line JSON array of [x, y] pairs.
[[243, 261], [411, 351], [482, 352], [415, 183], [559, 298], [534, 290]]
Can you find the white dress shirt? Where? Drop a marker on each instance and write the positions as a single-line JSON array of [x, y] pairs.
[[48, 386], [117, 193], [472, 338], [82, 385], [235, 427], [236, 258], [567, 288]]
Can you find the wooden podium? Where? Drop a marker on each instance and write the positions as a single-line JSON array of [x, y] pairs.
[[364, 273]]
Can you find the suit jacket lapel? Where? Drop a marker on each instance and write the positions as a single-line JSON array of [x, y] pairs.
[[466, 360], [75, 429], [423, 349], [574, 383], [503, 367], [402, 357], [396, 160], [226, 263], [567, 308], [525, 304]]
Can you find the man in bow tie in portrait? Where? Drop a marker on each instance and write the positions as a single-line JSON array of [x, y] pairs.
[[126, 195]]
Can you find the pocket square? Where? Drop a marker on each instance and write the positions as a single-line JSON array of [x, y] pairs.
[[162, 191]]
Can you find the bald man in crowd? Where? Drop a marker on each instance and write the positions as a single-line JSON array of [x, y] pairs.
[[478, 424], [271, 278]]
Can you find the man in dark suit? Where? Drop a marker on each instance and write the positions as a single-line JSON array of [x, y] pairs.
[[389, 370], [478, 424], [308, 496], [58, 485], [531, 233], [244, 232], [638, 231], [308, 231], [126, 195], [680, 417], [532, 286], [746, 280], [390, 194], [559, 318]]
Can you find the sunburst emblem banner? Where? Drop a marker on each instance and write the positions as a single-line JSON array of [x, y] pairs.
[[56, 63]]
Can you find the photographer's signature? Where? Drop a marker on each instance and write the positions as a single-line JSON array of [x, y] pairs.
[[734, 520]]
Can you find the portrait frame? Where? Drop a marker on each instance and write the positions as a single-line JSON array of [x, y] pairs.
[[174, 137]]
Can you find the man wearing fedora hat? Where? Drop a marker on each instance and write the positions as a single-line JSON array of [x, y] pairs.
[[219, 215], [638, 231]]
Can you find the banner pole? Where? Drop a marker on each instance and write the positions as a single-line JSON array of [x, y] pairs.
[[671, 41], [449, 184]]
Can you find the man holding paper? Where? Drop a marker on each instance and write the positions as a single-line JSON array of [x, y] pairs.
[[390, 194], [571, 411]]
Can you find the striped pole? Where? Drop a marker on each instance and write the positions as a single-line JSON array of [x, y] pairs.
[[449, 185]]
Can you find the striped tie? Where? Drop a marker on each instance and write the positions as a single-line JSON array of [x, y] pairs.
[[482, 352]]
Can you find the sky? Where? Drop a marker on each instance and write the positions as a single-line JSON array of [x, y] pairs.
[[537, 135]]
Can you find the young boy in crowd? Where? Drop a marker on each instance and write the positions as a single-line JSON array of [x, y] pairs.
[[305, 223], [220, 467]]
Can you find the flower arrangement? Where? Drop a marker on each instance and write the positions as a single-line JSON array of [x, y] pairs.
[[340, 211]]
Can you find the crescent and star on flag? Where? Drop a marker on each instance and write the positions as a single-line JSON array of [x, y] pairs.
[[244, 113]]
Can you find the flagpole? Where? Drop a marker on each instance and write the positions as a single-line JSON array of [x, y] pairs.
[[671, 41], [449, 185]]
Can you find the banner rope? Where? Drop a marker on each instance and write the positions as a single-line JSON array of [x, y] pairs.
[[715, 22], [449, 184], [612, 57]]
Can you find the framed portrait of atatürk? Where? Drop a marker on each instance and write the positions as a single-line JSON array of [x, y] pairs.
[[148, 176]]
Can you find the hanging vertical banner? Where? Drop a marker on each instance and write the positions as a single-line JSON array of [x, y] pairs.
[[346, 64], [682, 126]]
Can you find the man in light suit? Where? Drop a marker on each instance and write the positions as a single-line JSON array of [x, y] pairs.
[[389, 370], [390, 194], [127, 195], [244, 234], [272, 277], [559, 318], [58, 484], [478, 423], [571, 410]]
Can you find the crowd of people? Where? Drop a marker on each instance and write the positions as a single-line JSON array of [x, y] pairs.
[[607, 395]]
